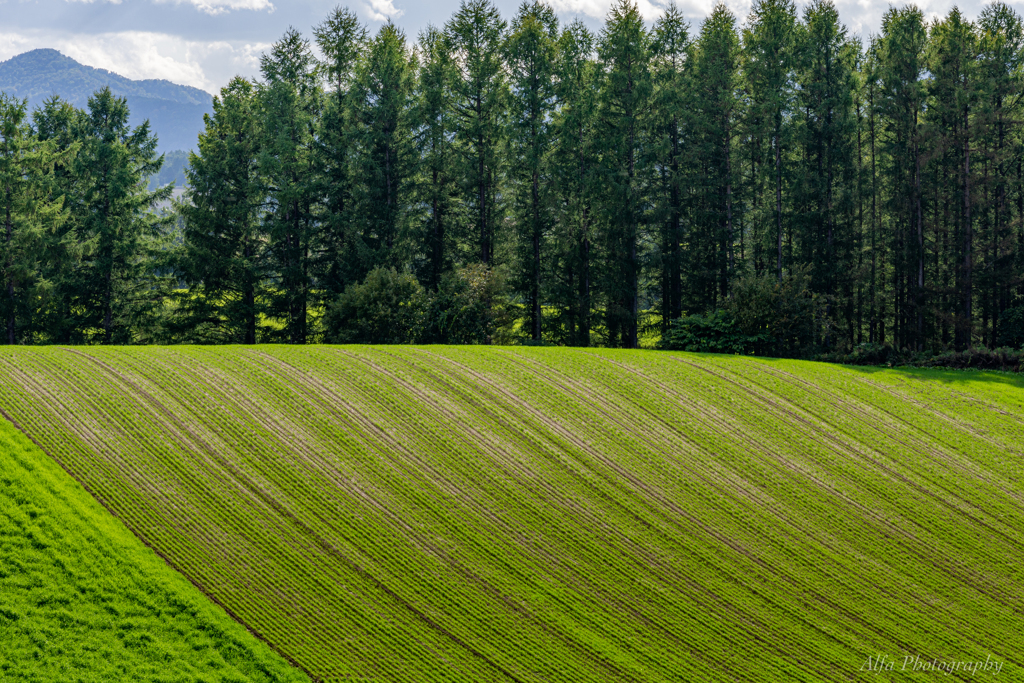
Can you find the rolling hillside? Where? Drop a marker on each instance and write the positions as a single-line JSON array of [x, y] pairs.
[[486, 514], [81, 599], [174, 111]]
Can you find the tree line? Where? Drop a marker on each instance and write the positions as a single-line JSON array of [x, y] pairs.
[[526, 181]]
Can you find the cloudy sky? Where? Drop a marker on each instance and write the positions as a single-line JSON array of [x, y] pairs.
[[205, 42]]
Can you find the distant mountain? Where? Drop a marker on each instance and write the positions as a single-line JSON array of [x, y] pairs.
[[175, 112]]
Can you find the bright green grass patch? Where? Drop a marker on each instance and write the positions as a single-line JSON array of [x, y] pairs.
[[81, 599], [543, 514]]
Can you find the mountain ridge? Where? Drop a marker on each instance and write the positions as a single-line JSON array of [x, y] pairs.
[[175, 112]]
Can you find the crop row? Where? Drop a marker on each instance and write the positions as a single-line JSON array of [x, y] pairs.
[[550, 515]]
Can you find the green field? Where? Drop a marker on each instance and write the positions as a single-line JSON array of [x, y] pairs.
[[539, 514], [81, 599]]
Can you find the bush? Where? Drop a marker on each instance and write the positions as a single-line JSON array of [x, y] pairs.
[[785, 317], [469, 307], [716, 332], [387, 308], [980, 359], [1005, 359]]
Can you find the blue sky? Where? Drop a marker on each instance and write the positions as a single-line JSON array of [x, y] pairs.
[[205, 42]]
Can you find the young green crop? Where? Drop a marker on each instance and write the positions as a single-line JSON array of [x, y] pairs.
[[81, 599], [539, 514]]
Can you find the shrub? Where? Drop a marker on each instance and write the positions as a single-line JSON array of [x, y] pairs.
[[978, 358], [387, 308], [785, 317], [716, 332], [469, 307]]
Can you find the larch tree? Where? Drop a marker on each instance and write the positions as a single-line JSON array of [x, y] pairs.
[[671, 130], [120, 280], [530, 52], [716, 110], [289, 99], [574, 171], [437, 188], [624, 54], [224, 260], [342, 40], [769, 64], [476, 34], [953, 98], [383, 146], [28, 214], [827, 135]]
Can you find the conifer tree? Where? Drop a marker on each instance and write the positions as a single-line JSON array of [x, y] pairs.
[[383, 150], [476, 34], [711, 258], [290, 99], [1000, 59], [574, 170], [825, 77], [954, 97], [437, 189], [224, 260], [337, 259], [63, 263], [530, 55], [624, 51], [901, 69], [769, 65], [120, 280], [27, 215], [671, 128]]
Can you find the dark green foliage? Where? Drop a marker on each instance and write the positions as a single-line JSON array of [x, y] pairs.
[[716, 332], [711, 257], [338, 259], [123, 293], [476, 34], [383, 164], [1011, 328], [107, 261], [617, 181], [469, 308], [771, 58], [824, 195], [530, 52], [437, 188], [672, 134], [388, 308], [624, 101], [30, 219], [785, 317], [289, 101], [224, 259], [575, 178]]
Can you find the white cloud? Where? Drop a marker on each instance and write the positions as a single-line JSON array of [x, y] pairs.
[[207, 6], [382, 10], [598, 9], [139, 55], [223, 6], [693, 10]]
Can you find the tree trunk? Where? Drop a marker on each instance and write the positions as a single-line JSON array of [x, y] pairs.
[[967, 293], [535, 283], [778, 194], [9, 223]]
